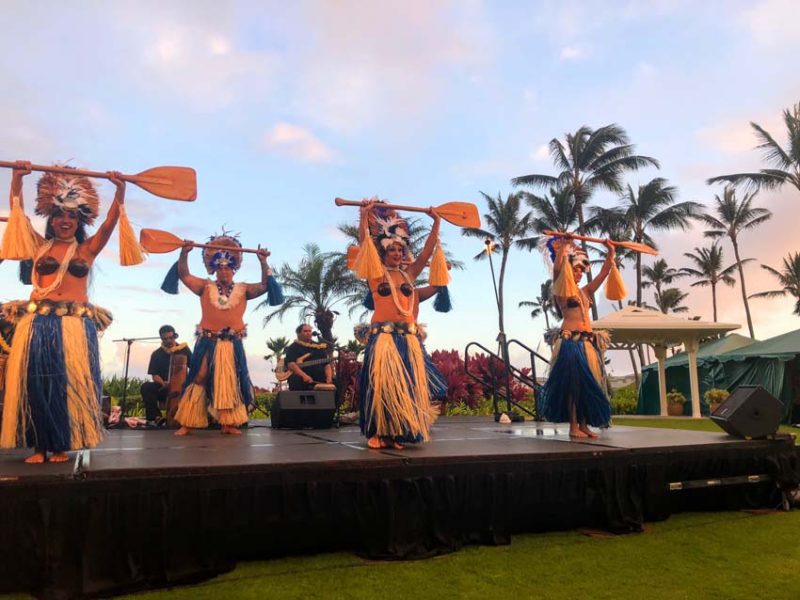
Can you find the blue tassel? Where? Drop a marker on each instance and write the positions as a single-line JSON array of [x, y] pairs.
[[369, 301], [274, 291], [170, 284], [25, 271], [442, 302]]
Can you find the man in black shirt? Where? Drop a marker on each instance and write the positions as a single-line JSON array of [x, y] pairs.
[[155, 391], [302, 352]]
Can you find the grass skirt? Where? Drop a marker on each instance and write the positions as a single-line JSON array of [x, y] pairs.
[[53, 385], [576, 378], [226, 391], [396, 389]]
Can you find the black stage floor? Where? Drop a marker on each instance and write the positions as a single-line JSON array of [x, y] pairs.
[[148, 509]]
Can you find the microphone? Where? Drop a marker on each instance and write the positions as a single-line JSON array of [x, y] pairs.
[[315, 334]]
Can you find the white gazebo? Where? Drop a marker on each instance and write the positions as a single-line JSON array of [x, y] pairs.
[[633, 325]]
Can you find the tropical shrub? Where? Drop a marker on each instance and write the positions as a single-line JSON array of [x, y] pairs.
[[625, 400]]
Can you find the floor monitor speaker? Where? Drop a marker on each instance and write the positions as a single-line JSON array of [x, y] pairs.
[[749, 412]]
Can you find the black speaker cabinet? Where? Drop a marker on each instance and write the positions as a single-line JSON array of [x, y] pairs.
[[303, 410], [749, 412]]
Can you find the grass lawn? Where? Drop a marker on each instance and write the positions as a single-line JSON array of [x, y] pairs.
[[704, 424]]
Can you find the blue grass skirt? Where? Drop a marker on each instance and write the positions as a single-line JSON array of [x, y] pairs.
[[53, 385], [397, 383], [226, 391], [576, 379]]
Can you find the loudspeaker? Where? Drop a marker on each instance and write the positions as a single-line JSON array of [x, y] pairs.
[[301, 410], [749, 412]]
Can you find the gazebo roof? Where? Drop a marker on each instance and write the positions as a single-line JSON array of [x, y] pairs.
[[634, 325]]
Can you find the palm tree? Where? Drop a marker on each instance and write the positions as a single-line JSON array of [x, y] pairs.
[[784, 162], [506, 227], [653, 208], [278, 347], [733, 217], [315, 287], [659, 274], [789, 278], [669, 299], [543, 304], [709, 271], [556, 211], [589, 160]]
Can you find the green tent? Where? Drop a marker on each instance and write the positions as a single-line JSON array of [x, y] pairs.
[[677, 370], [773, 363]]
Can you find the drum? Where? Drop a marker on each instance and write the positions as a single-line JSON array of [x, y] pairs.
[[324, 387]]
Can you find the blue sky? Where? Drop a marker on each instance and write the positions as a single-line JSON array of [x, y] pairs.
[[280, 107]]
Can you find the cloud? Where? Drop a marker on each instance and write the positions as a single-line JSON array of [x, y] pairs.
[[573, 53], [298, 143], [542, 153], [735, 136], [772, 23]]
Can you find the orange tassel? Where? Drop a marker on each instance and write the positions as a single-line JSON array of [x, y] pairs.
[[130, 252], [565, 285], [615, 286], [19, 240], [439, 274], [368, 263]]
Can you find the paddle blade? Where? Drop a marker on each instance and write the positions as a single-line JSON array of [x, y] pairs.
[[174, 183], [637, 247], [463, 214], [156, 241]]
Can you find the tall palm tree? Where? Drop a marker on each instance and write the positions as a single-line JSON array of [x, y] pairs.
[[653, 208], [709, 271], [506, 227], [733, 216], [659, 274], [320, 281], [669, 299], [556, 211], [589, 160], [784, 162], [789, 278], [543, 304], [278, 346]]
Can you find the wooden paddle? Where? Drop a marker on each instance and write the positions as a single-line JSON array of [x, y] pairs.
[[174, 183], [3, 219], [157, 241], [635, 246], [462, 214]]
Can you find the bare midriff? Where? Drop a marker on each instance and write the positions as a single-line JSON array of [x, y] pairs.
[[385, 309], [576, 318]]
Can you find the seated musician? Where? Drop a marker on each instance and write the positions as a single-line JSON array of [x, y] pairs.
[[302, 351], [155, 392]]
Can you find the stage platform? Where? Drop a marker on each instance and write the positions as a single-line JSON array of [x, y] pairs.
[[147, 509]]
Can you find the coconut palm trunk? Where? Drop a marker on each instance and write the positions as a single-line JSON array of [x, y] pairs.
[[744, 290]]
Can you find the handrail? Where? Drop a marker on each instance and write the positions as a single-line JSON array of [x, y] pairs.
[[497, 390], [533, 356]]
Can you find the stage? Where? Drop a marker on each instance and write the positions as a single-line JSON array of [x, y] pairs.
[[148, 509]]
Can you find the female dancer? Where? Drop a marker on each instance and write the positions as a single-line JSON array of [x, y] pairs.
[[575, 390], [53, 384], [395, 386]]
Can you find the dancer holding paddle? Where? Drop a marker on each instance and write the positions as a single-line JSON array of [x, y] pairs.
[[218, 379], [395, 388], [575, 389], [53, 385]]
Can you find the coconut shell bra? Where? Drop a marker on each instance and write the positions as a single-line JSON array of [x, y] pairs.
[[48, 265]]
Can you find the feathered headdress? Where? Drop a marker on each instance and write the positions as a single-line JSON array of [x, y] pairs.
[[387, 227], [214, 258], [62, 192]]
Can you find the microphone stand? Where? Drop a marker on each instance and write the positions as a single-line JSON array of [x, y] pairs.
[[129, 342]]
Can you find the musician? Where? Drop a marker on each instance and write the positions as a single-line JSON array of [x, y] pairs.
[[155, 392], [302, 351]]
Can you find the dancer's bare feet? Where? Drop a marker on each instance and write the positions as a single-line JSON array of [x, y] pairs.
[[577, 433], [59, 457], [375, 443], [397, 445], [36, 458], [589, 433], [182, 431], [231, 430]]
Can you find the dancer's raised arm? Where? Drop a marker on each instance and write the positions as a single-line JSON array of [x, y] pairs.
[[196, 284], [430, 245], [99, 240]]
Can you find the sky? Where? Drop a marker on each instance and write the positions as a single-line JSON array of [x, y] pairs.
[[283, 106]]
